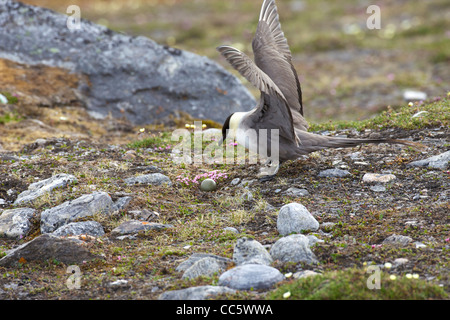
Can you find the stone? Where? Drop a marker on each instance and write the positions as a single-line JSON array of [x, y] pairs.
[[305, 274], [247, 196], [397, 240], [293, 248], [334, 173], [208, 185], [92, 228], [123, 202], [400, 261], [231, 229], [122, 75], [119, 282], [327, 226], [136, 226], [143, 214], [198, 256], [378, 178], [250, 277], [313, 240], [196, 293], [84, 206], [378, 188], [296, 192], [295, 218], [15, 223], [38, 189], [235, 181], [205, 267], [249, 251], [46, 247], [409, 95], [420, 244], [152, 179], [436, 162]]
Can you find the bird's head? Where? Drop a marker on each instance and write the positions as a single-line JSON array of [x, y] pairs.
[[225, 128]]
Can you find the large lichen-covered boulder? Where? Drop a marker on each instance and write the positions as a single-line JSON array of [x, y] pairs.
[[121, 75]]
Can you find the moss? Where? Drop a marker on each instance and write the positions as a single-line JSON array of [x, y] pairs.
[[352, 284], [436, 114]]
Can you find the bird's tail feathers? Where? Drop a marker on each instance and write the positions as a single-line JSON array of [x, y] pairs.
[[336, 142], [310, 142]]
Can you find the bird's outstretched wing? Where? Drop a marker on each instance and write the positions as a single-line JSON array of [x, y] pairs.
[[273, 111], [247, 68], [274, 58]]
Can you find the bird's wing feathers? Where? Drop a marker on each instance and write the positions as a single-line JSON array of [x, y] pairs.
[[273, 109], [247, 68], [273, 56], [269, 17], [274, 113]]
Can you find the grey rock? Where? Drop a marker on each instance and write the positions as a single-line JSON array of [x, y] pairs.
[[119, 282], [38, 189], [84, 206], [378, 178], [296, 192], [313, 240], [397, 240], [92, 228], [136, 226], [235, 181], [247, 196], [123, 202], [295, 218], [305, 274], [231, 229], [334, 173], [152, 178], [247, 182], [143, 214], [198, 256], [400, 261], [293, 248], [249, 251], [196, 293], [47, 246], [327, 226], [128, 76], [250, 277], [420, 244], [15, 223], [206, 267], [436, 162], [409, 95], [378, 188]]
